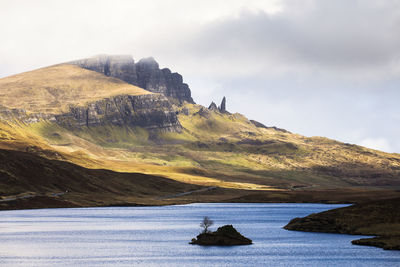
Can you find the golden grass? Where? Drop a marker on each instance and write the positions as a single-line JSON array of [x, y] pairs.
[[87, 154], [198, 153], [174, 174], [199, 156], [53, 89], [215, 125]]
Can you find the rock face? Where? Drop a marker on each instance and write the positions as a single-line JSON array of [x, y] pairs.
[[8, 114], [146, 74], [213, 106], [150, 77], [222, 108], [118, 66], [17, 114], [152, 111], [226, 235]]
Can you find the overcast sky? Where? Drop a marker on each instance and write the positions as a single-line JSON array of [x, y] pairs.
[[317, 68]]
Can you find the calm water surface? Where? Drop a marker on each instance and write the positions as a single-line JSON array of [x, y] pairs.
[[159, 236]]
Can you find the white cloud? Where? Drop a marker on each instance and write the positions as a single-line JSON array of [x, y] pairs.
[[42, 32], [339, 39]]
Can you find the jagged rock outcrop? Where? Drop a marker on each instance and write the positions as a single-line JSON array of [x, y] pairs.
[[213, 106], [118, 66], [176, 88], [153, 112], [150, 77], [222, 107], [146, 74]]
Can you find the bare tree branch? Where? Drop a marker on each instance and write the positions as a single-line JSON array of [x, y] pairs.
[[206, 223]]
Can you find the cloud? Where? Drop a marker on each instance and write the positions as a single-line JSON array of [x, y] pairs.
[[45, 32], [315, 67], [339, 39], [342, 39]]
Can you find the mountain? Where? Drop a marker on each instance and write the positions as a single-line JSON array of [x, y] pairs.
[[108, 112]]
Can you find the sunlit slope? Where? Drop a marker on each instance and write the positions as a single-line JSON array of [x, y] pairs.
[[231, 143], [224, 149], [53, 89], [51, 141], [213, 148]]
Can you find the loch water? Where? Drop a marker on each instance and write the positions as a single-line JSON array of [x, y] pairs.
[[159, 236]]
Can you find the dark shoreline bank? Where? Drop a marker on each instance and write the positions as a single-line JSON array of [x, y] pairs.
[[74, 199], [380, 219]]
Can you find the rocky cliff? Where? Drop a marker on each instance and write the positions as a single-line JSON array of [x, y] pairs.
[[152, 111], [20, 115], [146, 74], [73, 96]]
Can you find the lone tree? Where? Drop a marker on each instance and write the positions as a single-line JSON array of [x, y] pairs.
[[207, 222]]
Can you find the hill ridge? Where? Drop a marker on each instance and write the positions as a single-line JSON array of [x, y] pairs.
[[52, 89], [143, 131]]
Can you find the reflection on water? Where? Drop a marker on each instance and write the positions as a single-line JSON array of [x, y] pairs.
[[154, 236]]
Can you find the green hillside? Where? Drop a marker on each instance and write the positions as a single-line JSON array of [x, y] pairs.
[[186, 142]]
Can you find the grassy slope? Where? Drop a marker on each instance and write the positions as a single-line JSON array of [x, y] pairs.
[[230, 148], [214, 149], [381, 218], [23, 173], [223, 150], [52, 89], [30, 181]]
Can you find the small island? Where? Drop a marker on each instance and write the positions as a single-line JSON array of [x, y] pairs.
[[226, 235]]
